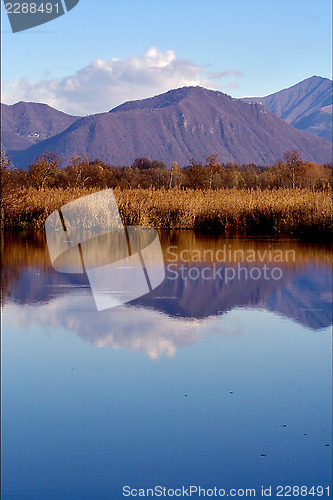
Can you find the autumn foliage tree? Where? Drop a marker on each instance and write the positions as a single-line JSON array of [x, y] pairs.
[[44, 171], [141, 163]]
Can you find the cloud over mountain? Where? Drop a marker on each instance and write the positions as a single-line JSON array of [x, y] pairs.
[[104, 84]]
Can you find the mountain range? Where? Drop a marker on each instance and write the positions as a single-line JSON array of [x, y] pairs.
[[185, 123]]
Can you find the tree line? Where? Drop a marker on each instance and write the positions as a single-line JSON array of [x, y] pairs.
[[45, 172]]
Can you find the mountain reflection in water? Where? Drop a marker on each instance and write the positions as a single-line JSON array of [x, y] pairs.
[[205, 278]]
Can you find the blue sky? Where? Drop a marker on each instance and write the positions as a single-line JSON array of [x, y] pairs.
[[104, 52]]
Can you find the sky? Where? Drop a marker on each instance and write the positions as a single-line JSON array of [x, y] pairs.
[[105, 52]]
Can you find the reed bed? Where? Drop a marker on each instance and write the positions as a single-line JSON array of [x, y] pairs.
[[280, 211]]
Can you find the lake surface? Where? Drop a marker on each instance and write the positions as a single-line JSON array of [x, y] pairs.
[[218, 378]]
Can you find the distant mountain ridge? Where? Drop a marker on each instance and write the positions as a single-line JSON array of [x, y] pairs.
[[306, 106], [181, 124], [26, 123]]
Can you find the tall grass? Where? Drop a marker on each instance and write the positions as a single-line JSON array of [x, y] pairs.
[[280, 211]]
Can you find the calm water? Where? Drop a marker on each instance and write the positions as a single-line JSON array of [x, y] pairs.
[[220, 377]]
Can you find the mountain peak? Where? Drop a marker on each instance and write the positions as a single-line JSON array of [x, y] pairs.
[[307, 105], [25, 124], [169, 98], [310, 84], [316, 78]]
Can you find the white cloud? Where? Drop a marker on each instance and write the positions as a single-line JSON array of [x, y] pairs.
[[125, 327], [102, 85]]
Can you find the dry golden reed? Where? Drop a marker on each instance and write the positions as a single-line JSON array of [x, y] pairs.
[[280, 211]]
